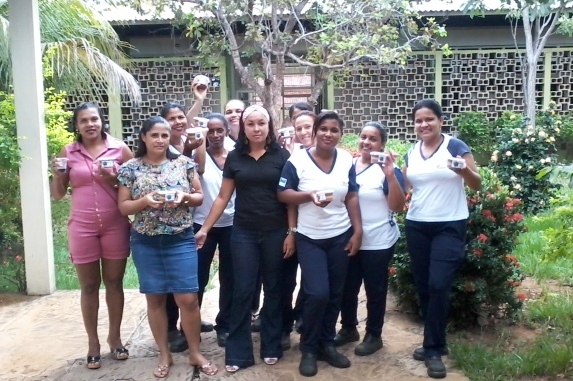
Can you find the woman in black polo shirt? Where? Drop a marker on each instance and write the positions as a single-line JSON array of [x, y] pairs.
[[259, 238]]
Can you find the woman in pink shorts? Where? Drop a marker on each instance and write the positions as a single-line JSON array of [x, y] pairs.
[[98, 234]]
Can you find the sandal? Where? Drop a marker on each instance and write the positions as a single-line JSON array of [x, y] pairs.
[[270, 360], [161, 371], [232, 368], [208, 369], [120, 353], [93, 362]]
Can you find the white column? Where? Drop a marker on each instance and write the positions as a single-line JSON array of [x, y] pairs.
[[34, 190], [114, 109]]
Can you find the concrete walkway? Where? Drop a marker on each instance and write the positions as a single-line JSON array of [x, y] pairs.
[[42, 338]]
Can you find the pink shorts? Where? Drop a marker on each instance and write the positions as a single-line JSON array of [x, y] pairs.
[[92, 236]]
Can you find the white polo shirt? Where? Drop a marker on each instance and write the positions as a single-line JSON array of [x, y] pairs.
[[438, 193], [303, 174]]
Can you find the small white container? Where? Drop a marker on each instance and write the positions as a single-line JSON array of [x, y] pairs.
[[107, 162], [456, 163], [195, 133], [287, 132], [325, 195], [62, 164], [378, 157], [168, 195], [202, 80], [201, 122]]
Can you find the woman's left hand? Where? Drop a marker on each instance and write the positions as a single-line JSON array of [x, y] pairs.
[[179, 196], [109, 176], [388, 165], [353, 244], [289, 246]]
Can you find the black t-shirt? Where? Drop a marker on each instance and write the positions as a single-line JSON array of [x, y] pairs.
[[256, 204]]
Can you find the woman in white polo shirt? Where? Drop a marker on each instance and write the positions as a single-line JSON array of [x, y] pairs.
[[329, 231], [436, 223], [381, 194]]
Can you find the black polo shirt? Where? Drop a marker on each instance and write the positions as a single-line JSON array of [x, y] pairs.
[[256, 203]]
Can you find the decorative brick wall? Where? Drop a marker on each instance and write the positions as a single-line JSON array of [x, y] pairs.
[[562, 80]]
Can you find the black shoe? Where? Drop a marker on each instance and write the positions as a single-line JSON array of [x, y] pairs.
[[420, 354], [298, 326], [173, 334], [371, 344], [346, 335], [222, 339], [285, 341], [308, 366], [179, 344], [435, 366], [333, 357], [206, 327], [256, 325]]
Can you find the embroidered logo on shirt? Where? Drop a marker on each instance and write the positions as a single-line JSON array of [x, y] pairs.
[[282, 182]]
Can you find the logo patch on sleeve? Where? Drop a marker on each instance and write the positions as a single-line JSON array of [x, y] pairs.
[[282, 182]]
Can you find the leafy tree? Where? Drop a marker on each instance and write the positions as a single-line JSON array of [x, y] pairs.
[[540, 19], [81, 49], [262, 37]]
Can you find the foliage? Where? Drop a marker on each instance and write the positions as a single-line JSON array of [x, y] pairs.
[[485, 286], [262, 37], [83, 49], [559, 239], [522, 152], [476, 131], [11, 242]]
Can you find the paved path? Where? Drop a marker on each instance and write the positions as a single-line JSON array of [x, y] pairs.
[[42, 338]]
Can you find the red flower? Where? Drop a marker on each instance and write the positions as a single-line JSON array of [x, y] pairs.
[[517, 217], [482, 238], [469, 286], [521, 296], [392, 271], [478, 252], [18, 258], [486, 213], [509, 205]]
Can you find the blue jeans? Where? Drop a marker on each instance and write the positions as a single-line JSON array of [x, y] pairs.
[[437, 250], [218, 237], [253, 252], [323, 263], [372, 267]]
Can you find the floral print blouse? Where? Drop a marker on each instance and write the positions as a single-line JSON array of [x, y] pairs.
[[143, 178]]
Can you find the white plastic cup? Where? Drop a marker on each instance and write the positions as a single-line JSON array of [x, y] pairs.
[[168, 195], [287, 132], [378, 157], [195, 133], [201, 122], [456, 163], [325, 195], [107, 162], [202, 80], [62, 164]]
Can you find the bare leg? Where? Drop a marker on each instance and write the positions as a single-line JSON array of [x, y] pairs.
[[112, 274], [191, 324], [158, 323], [90, 280]]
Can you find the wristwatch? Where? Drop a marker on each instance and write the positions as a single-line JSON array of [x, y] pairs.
[[291, 231]]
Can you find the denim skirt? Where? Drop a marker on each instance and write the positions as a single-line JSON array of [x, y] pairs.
[[165, 263]]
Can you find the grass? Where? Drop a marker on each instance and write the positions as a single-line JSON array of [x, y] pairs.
[[66, 278]]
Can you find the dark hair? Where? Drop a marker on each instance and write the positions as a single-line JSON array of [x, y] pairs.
[[85, 106], [305, 112], [220, 117], [430, 104], [302, 106], [170, 106], [327, 115], [145, 128], [242, 144], [381, 129]]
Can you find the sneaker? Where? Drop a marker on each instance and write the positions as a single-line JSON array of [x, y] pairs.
[[206, 327], [308, 366], [222, 339], [256, 325], [371, 344], [420, 354], [435, 366], [345, 336], [333, 357], [285, 341]]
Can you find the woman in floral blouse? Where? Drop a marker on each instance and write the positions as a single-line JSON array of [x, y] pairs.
[[162, 241]]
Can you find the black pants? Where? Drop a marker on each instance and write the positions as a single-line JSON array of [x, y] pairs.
[[323, 263], [290, 314], [372, 267], [437, 249]]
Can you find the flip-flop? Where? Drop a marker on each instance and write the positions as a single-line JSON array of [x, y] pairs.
[[232, 368], [93, 362], [161, 371], [270, 360], [208, 369], [120, 353]]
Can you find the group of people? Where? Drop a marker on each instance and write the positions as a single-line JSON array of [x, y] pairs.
[[268, 204]]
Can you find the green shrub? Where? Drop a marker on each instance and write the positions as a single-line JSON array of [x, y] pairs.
[[559, 240], [57, 118], [523, 151], [476, 131], [485, 287]]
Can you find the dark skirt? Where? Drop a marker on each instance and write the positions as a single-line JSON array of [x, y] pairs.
[[165, 263]]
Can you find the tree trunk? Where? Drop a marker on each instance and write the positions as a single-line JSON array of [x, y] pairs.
[[529, 94]]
